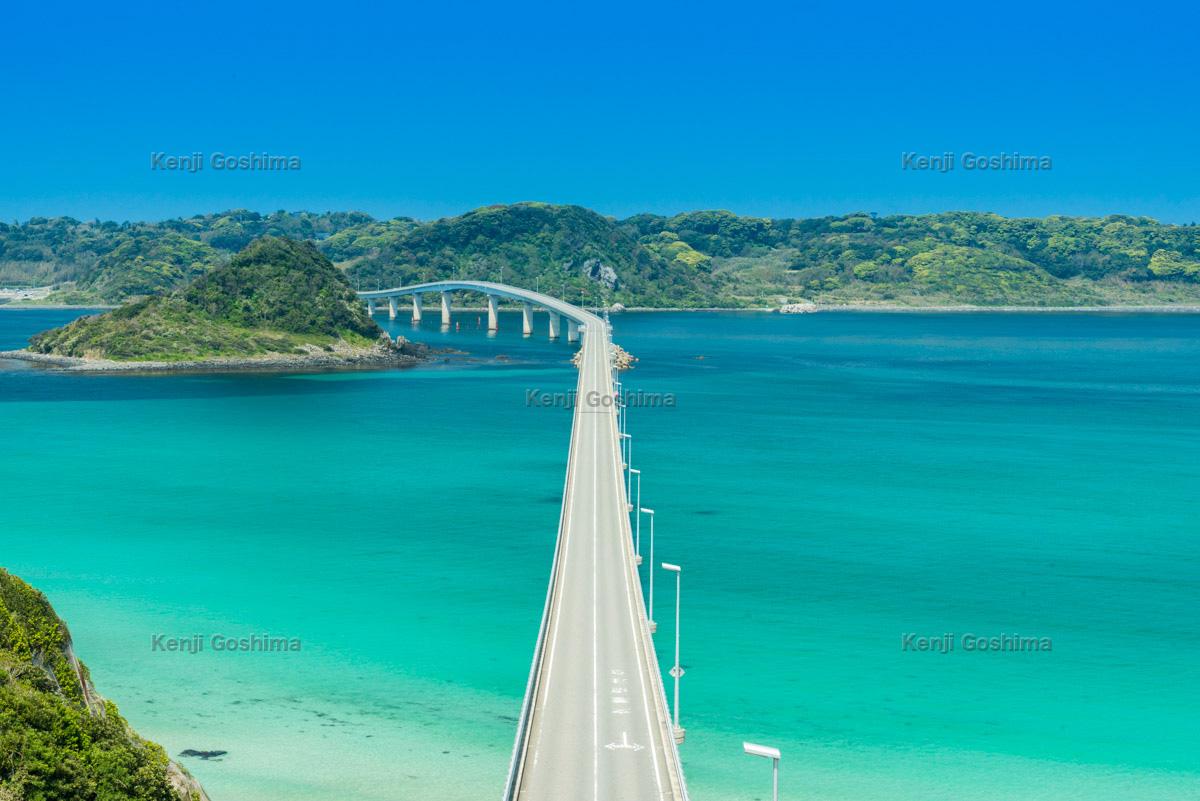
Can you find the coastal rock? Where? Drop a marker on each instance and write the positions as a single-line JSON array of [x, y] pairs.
[[798, 308], [191, 752], [339, 356], [617, 307], [622, 359]]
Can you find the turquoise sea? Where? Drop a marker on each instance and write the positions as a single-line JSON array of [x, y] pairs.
[[829, 482]]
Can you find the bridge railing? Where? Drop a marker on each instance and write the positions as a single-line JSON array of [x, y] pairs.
[[512, 785]]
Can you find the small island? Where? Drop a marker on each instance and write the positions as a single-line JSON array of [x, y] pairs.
[[278, 305]]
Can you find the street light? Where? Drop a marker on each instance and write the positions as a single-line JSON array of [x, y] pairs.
[[622, 412], [650, 611], [677, 671], [628, 454], [771, 754], [637, 547]]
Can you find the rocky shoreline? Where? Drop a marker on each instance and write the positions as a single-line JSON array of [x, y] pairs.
[[401, 353]]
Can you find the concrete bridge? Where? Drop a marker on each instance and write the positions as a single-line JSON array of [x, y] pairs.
[[530, 301], [594, 725]]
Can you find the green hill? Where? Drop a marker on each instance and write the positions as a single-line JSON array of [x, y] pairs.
[[60, 740], [567, 250], [277, 296]]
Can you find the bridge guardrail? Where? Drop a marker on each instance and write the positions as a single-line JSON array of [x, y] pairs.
[[518, 760]]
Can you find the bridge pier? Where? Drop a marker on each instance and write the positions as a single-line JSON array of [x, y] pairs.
[[493, 322], [391, 308], [371, 307], [572, 331], [527, 318], [418, 304], [555, 323], [446, 309]]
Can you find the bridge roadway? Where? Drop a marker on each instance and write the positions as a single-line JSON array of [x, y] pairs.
[[598, 727], [594, 725]]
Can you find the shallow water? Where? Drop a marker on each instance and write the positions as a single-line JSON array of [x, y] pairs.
[[829, 482]]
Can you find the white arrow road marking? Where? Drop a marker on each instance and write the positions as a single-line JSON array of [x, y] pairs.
[[624, 745]]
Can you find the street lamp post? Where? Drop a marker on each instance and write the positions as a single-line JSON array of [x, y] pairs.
[[637, 540], [628, 475], [624, 408], [677, 671], [650, 610], [627, 455], [620, 401], [771, 754]]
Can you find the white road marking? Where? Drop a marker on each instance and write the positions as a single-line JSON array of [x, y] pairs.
[[595, 625], [624, 745]]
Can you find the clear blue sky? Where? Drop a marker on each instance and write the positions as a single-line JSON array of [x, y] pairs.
[[431, 109]]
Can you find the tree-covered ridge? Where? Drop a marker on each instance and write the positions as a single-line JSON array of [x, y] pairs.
[[108, 262], [567, 250], [703, 258], [276, 296], [59, 740]]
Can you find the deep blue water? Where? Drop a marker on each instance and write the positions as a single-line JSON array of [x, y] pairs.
[[830, 482]]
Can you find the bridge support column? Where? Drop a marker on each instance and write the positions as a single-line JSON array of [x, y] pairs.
[[527, 318], [555, 322], [572, 331], [391, 308], [493, 323], [417, 306], [371, 307], [446, 309]]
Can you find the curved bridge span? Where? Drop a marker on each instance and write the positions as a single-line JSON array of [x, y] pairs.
[[594, 724], [557, 309]]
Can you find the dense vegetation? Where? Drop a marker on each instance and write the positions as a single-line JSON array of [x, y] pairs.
[[706, 258], [275, 296], [59, 741], [108, 262]]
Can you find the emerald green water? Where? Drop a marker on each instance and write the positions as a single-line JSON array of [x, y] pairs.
[[829, 482]]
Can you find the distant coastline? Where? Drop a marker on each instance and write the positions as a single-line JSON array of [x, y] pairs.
[[52, 306], [893, 307], [1182, 308]]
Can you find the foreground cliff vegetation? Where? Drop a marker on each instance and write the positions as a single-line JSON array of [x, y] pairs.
[[274, 297], [59, 740], [707, 258]]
